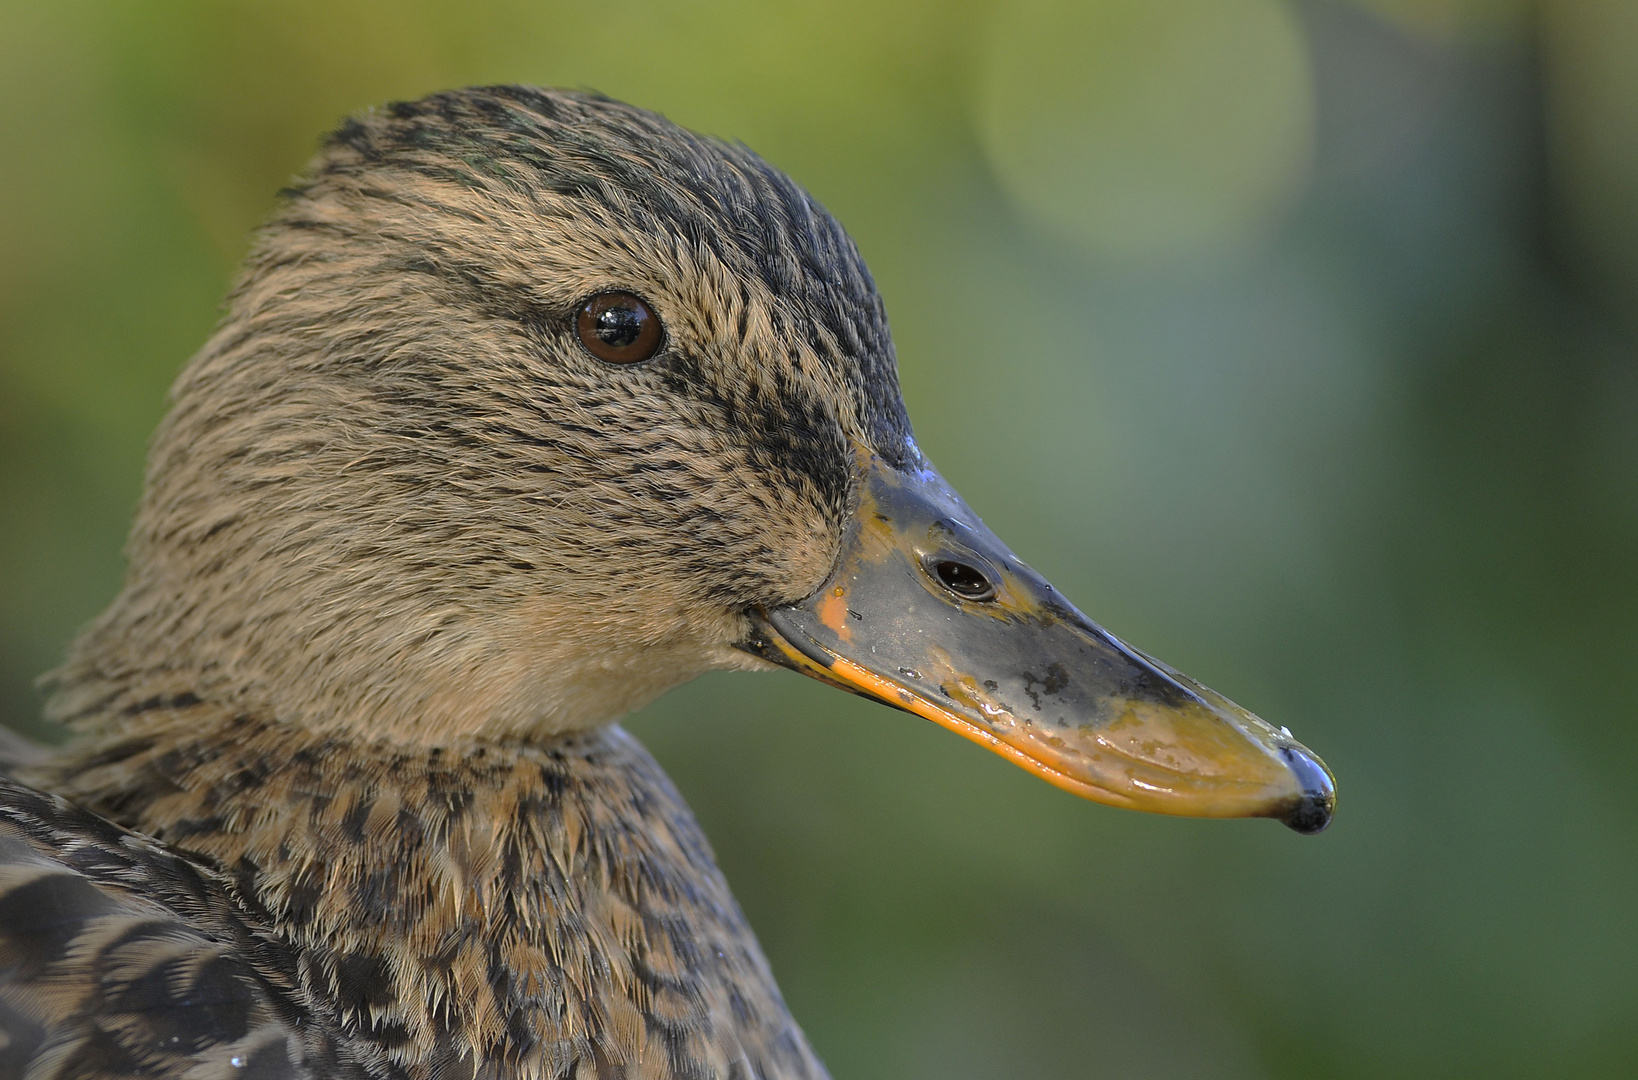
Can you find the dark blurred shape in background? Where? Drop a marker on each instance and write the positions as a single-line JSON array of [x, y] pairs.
[[1296, 342]]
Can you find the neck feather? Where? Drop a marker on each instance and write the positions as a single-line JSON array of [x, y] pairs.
[[523, 906]]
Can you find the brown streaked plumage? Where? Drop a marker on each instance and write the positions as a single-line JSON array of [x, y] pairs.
[[407, 549]]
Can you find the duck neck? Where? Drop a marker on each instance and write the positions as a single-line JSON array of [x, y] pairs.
[[525, 906]]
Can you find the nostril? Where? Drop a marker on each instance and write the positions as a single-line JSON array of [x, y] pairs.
[[967, 582]]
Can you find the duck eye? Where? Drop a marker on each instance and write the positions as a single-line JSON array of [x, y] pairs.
[[618, 327], [967, 582]]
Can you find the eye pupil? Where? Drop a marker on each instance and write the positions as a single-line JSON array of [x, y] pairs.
[[618, 327], [967, 582]]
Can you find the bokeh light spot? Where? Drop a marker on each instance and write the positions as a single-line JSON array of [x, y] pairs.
[[1148, 129]]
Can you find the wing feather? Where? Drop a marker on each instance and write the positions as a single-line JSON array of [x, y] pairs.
[[121, 958]]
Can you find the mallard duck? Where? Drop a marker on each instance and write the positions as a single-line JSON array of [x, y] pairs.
[[527, 406]]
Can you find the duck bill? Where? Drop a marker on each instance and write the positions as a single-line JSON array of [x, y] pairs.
[[929, 612]]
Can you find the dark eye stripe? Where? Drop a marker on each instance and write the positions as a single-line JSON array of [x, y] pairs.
[[619, 327]]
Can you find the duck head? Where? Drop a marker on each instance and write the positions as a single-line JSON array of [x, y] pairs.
[[531, 405]]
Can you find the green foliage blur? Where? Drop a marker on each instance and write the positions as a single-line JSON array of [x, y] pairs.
[[1295, 342]]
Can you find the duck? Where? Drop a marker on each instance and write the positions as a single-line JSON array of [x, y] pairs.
[[526, 406]]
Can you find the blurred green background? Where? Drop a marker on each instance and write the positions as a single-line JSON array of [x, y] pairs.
[[1296, 342]]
